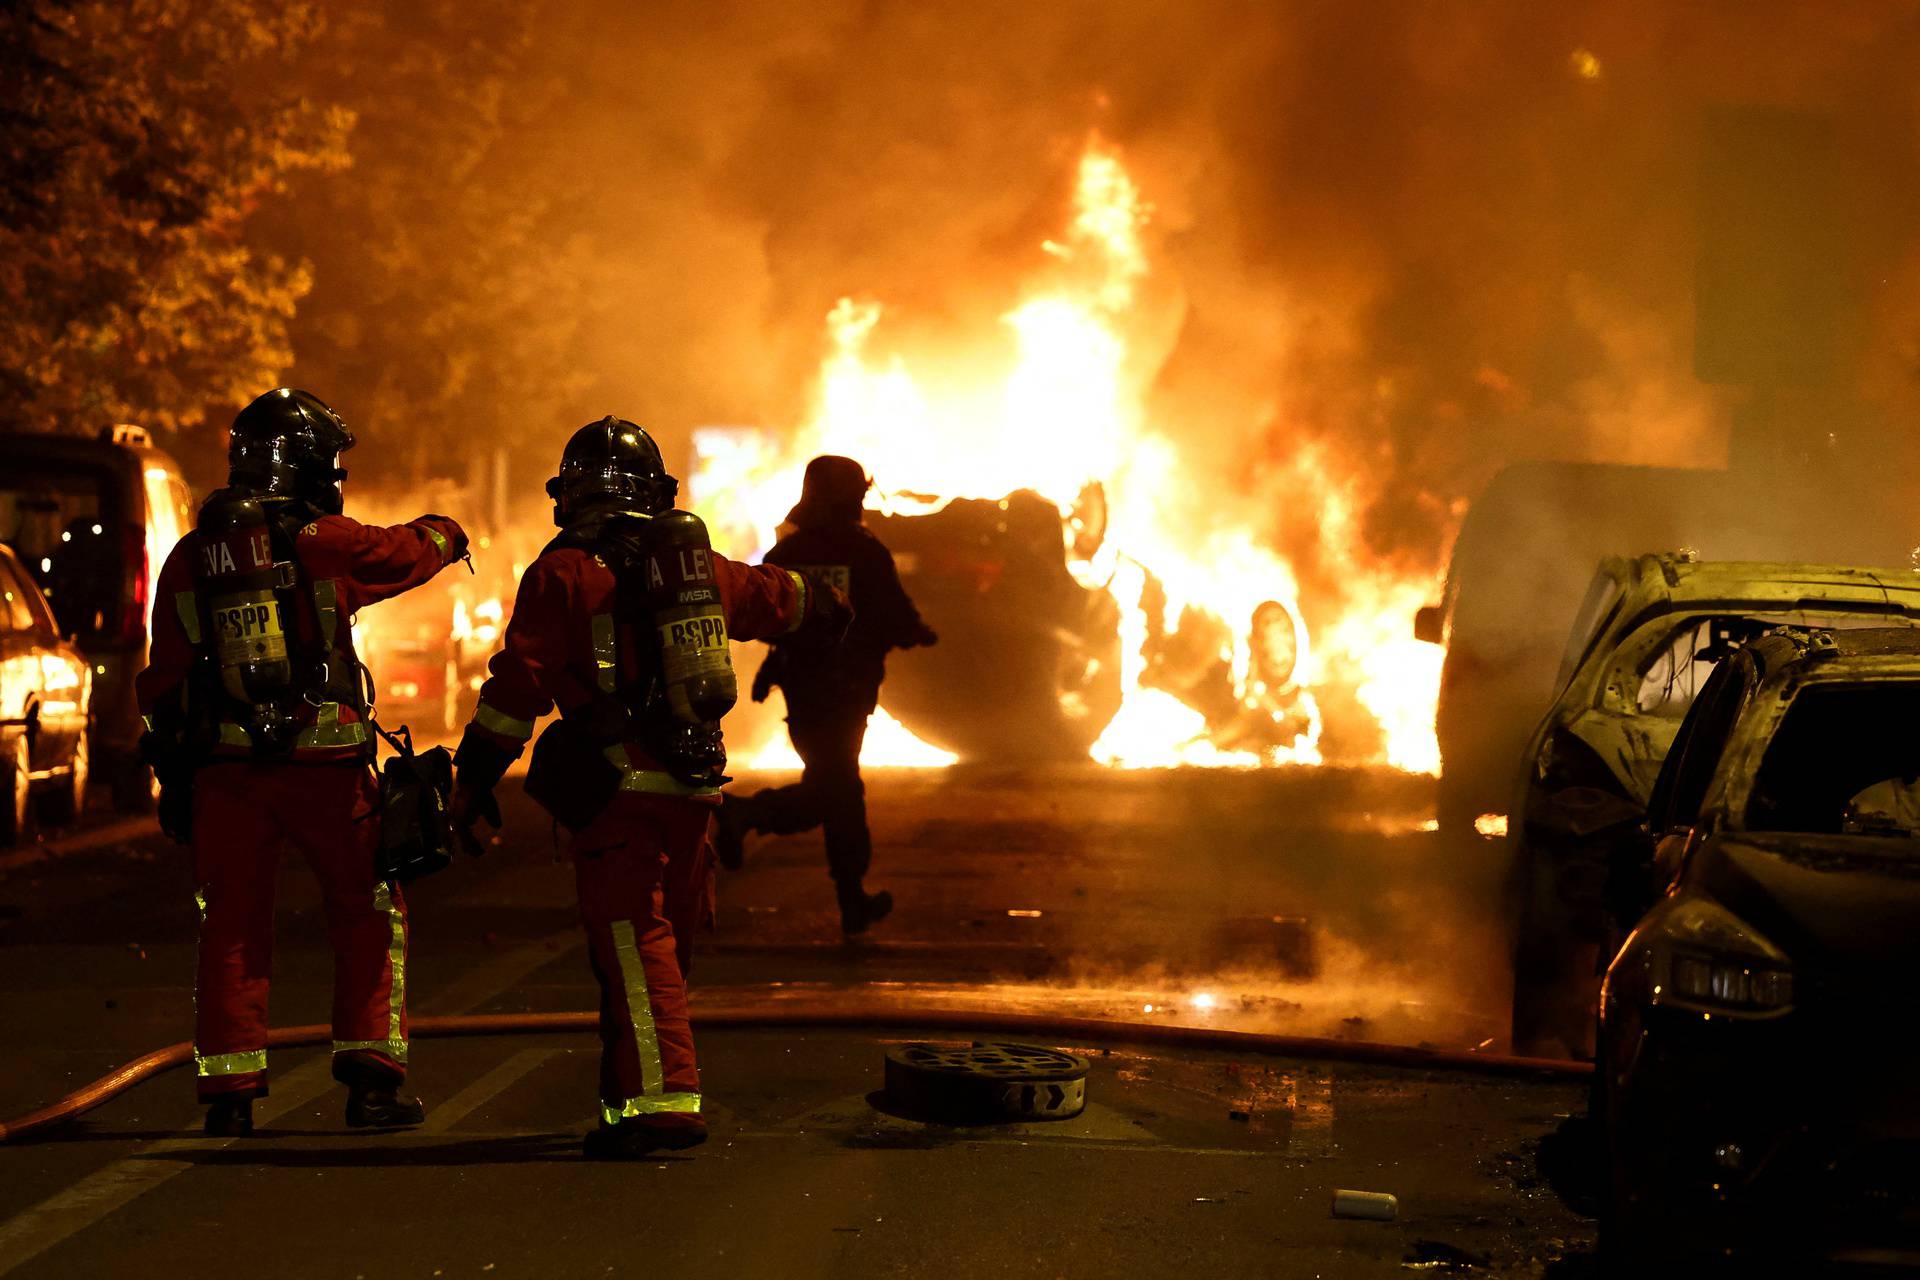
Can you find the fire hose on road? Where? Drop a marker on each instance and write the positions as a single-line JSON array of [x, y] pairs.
[[826, 1014]]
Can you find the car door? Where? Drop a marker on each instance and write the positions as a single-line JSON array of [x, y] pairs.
[[1680, 789]]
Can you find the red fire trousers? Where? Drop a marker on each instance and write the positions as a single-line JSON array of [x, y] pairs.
[[645, 874], [242, 812]]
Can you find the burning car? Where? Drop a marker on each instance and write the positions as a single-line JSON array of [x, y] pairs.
[[1018, 632], [1642, 645], [1756, 1038]]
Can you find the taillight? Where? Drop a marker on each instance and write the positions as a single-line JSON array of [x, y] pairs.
[[134, 622]]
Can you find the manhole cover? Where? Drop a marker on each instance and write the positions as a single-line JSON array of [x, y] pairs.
[[981, 1083]]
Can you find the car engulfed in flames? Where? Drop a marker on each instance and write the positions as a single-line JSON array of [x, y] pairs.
[[1097, 594]]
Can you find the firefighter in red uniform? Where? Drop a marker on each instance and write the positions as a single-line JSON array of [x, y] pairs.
[[257, 728], [623, 623]]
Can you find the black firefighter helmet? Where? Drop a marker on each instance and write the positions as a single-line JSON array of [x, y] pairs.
[[287, 444], [611, 462]]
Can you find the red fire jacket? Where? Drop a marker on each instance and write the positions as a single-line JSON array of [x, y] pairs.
[[550, 657], [348, 565]]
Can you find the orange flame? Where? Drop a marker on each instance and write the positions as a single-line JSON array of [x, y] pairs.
[[1065, 412]]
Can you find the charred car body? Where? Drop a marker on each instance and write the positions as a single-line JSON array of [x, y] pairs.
[[1646, 635], [1028, 644], [1024, 643], [1756, 1036]]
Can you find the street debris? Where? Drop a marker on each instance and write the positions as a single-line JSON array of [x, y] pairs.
[[1438, 1255], [1371, 1206]]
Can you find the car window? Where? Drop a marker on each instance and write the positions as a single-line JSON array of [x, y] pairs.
[[40, 499], [1596, 612], [1670, 682], [1685, 775], [1843, 761], [1672, 676]]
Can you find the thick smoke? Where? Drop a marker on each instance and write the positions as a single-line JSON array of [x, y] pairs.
[[1396, 245]]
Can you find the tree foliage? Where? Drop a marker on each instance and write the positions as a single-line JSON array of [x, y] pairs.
[[136, 139], [448, 293]]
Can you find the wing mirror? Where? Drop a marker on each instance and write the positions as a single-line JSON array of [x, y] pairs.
[[1427, 624]]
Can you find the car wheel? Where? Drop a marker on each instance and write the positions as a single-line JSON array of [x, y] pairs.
[[64, 805], [16, 812]]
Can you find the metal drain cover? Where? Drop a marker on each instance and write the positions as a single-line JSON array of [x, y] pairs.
[[984, 1083]]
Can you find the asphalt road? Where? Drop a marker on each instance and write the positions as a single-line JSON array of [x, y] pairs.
[[1305, 902]]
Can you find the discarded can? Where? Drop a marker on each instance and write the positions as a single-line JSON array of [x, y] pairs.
[[1375, 1206]]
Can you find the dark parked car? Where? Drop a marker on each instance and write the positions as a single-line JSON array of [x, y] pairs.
[[93, 521], [1756, 1084], [45, 686], [1647, 636]]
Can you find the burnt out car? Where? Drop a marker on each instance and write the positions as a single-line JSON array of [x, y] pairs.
[[1757, 1031], [1029, 661], [1647, 635]]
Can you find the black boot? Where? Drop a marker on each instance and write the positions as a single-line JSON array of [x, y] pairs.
[[382, 1107], [730, 827], [229, 1118], [860, 909], [636, 1139]]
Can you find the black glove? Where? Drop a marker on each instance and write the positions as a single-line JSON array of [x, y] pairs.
[[763, 681], [922, 637], [473, 804]]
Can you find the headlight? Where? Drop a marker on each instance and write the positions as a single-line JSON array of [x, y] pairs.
[[1702, 957]]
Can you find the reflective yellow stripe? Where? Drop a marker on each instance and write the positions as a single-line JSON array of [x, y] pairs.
[[800, 589], [639, 1009], [187, 605], [230, 1064], [326, 603], [327, 731], [397, 962], [440, 541], [395, 1049], [496, 721], [146, 722], [683, 1103], [605, 658], [651, 782]]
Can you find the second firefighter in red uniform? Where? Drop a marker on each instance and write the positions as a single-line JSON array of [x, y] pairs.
[[258, 731], [623, 623]]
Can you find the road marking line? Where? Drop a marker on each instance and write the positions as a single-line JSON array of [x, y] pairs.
[[484, 1090], [501, 973], [66, 1213]]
